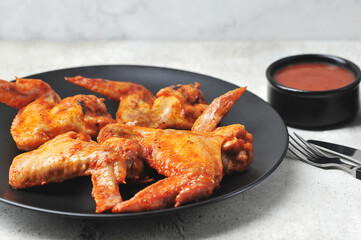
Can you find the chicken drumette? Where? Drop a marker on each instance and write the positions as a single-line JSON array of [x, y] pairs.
[[43, 115], [176, 106], [193, 162], [67, 156]]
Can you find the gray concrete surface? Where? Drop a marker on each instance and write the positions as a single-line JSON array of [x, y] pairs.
[[296, 202]]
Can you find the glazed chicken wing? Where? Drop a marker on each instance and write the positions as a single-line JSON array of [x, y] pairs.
[[43, 115], [190, 161], [67, 156], [176, 106], [193, 162], [130, 150], [20, 93], [112, 89], [219, 108]]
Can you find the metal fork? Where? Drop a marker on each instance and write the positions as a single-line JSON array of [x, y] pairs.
[[307, 153]]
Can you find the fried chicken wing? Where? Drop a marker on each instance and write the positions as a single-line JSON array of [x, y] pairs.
[[67, 156], [130, 150], [237, 148], [44, 119], [112, 89], [176, 106], [193, 162], [217, 110], [190, 161], [20, 93], [43, 115]]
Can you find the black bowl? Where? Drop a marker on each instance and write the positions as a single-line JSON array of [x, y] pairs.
[[314, 109]]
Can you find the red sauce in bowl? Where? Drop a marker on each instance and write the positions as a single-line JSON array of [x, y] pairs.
[[314, 76]]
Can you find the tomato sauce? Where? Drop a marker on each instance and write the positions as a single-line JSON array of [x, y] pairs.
[[314, 76]]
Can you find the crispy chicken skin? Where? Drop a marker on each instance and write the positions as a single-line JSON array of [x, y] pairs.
[[219, 108], [20, 93], [190, 161], [193, 162], [43, 115], [176, 106], [130, 150], [112, 89], [237, 152], [67, 156], [44, 119], [237, 148]]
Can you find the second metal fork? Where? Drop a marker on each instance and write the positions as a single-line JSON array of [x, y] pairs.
[[311, 155]]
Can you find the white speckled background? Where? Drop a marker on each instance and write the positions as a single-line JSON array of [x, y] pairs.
[[179, 20]]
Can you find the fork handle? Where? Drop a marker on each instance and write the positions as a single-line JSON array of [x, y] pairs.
[[358, 172], [355, 171]]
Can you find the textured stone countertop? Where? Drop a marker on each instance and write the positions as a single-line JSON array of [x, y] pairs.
[[297, 201]]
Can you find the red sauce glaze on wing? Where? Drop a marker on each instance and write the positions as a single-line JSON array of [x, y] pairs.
[[314, 76]]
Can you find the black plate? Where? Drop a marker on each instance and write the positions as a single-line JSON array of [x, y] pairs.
[[73, 197]]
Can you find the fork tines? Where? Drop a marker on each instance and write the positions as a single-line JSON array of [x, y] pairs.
[[304, 150], [309, 154]]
